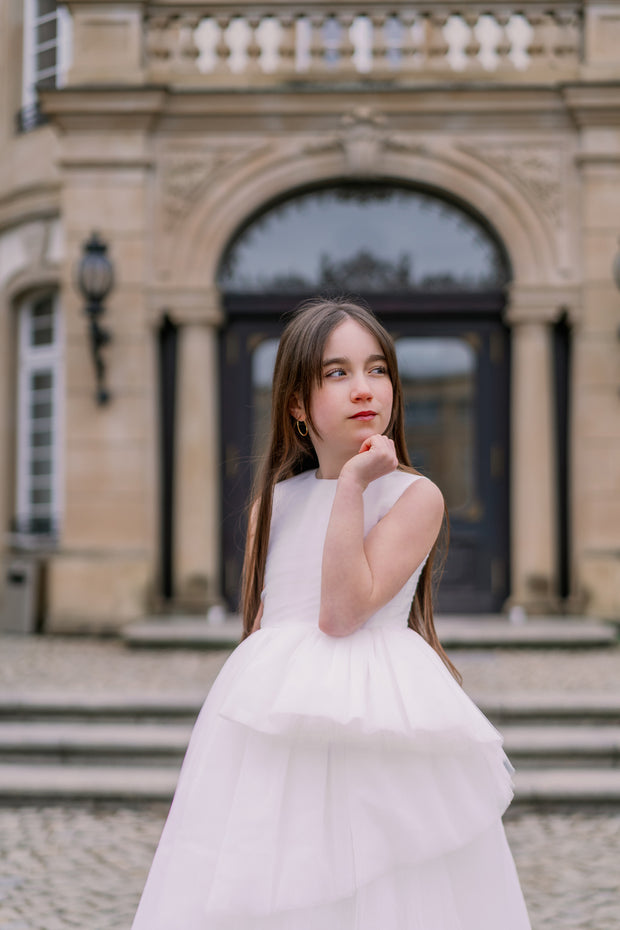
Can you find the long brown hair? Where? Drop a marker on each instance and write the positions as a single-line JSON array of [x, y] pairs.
[[298, 370]]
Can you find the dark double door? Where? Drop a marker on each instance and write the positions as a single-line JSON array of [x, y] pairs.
[[453, 353]]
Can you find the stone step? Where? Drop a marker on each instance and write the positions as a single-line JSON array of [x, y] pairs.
[[527, 706], [28, 784], [466, 632], [102, 706], [148, 743]]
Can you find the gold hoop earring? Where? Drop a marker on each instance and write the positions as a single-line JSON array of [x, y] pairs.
[[299, 424]]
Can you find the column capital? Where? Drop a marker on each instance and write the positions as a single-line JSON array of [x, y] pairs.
[[541, 304], [187, 308]]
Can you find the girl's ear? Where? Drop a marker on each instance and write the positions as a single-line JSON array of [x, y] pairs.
[[295, 408]]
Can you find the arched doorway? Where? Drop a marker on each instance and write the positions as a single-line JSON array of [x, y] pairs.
[[435, 274]]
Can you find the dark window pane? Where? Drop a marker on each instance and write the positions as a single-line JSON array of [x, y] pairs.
[[263, 361], [45, 7], [41, 409], [40, 440], [40, 467], [46, 32], [41, 496], [41, 381], [42, 336], [42, 308], [48, 82], [439, 385], [46, 59], [361, 237]]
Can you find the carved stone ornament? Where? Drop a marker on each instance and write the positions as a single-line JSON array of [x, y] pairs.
[[183, 180], [536, 170], [186, 176], [363, 139]]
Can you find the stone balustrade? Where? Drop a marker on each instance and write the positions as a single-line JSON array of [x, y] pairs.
[[239, 44]]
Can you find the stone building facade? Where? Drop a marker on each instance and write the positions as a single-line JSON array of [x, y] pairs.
[[183, 132]]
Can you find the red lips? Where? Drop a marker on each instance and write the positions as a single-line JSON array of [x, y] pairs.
[[363, 414]]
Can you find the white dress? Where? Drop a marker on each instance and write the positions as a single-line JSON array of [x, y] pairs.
[[335, 783]]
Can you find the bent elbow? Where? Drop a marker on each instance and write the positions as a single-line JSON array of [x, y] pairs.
[[337, 625]]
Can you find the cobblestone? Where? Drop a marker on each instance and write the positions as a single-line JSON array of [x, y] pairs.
[[64, 868]]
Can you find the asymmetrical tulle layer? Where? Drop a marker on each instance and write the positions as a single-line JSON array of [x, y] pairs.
[[385, 686], [283, 823]]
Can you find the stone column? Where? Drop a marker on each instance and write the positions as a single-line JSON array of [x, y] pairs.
[[533, 460], [197, 480]]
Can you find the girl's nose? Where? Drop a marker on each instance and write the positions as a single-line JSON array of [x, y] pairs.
[[361, 388]]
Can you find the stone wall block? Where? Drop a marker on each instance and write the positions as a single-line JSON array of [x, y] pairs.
[[86, 594], [602, 36], [107, 41]]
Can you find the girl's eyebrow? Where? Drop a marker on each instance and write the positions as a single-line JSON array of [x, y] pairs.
[[344, 361]]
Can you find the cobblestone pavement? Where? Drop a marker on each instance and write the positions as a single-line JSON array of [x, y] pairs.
[[76, 664], [63, 868]]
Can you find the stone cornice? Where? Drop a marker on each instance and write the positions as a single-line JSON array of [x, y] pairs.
[[114, 106], [593, 103], [542, 304], [423, 107]]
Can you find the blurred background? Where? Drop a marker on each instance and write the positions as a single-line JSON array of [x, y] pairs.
[[174, 176]]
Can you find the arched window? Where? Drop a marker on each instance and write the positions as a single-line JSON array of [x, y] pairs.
[[364, 238]]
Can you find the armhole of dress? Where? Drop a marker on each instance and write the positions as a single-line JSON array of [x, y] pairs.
[[388, 498]]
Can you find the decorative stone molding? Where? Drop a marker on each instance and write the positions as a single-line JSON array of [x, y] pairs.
[[184, 177], [542, 304], [536, 170]]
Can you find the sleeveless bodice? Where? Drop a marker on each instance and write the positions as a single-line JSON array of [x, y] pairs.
[[301, 510]]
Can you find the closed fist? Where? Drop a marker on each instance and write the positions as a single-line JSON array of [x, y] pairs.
[[376, 457]]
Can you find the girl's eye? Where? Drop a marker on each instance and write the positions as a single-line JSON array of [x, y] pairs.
[[335, 371], [380, 370]]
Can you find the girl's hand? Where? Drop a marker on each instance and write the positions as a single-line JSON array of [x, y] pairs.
[[377, 457]]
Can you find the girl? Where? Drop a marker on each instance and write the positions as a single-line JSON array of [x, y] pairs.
[[338, 778]]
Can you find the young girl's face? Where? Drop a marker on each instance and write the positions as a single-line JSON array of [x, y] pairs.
[[354, 399]]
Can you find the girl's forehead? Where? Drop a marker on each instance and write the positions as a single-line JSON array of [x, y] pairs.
[[350, 336]]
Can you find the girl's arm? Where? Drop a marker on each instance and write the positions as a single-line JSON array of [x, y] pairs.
[[361, 575]]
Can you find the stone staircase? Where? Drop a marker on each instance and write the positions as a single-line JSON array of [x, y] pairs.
[[127, 749]]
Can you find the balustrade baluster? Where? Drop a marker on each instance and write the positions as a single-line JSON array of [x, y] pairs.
[[222, 48], [288, 44], [504, 45], [187, 50], [317, 44], [379, 43], [158, 41], [436, 45], [347, 48], [472, 49], [412, 49], [253, 49], [542, 42], [568, 42]]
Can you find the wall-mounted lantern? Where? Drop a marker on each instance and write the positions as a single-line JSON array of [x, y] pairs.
[[95, 277]]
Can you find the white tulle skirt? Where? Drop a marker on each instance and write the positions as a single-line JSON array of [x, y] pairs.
[[337, 784]]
